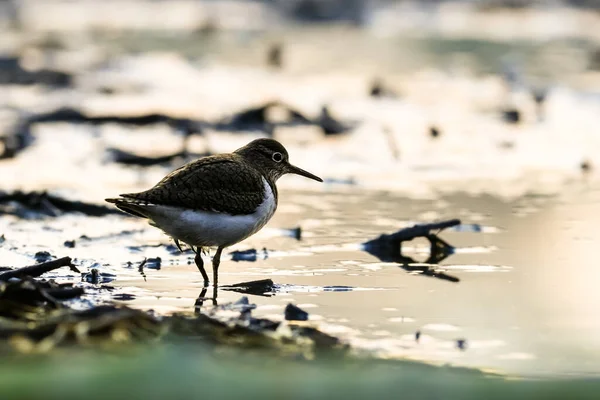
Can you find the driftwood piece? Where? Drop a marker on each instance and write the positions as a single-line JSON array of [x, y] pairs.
[[38, 269], [388, 248]]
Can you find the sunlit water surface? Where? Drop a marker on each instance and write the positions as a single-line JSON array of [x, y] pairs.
[[526, 302]]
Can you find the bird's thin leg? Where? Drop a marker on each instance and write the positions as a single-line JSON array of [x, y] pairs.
[[200, 265], [216, 262]]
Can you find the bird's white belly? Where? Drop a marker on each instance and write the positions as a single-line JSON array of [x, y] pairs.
[[205, 228]]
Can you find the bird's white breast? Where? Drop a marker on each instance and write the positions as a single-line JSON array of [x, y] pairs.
[[206, 228]]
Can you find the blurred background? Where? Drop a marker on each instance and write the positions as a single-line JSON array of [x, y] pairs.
[[414, 94], [411, 111]]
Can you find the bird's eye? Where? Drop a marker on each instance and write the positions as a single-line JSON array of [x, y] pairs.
[[277, 157]]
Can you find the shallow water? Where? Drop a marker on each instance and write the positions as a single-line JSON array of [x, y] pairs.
[[526, 302]]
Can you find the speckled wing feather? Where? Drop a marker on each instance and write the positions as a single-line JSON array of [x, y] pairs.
[[217, 183]]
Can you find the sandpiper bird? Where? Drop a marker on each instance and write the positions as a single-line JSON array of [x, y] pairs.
[[216, 201]]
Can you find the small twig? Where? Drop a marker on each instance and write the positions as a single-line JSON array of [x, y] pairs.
[[38, 269]]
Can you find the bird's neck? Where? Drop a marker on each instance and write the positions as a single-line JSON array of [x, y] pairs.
[[273, 187]]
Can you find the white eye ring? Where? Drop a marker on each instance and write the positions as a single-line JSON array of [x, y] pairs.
[[277, 157]]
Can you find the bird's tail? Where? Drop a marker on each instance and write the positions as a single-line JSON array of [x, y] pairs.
[[130, 206]]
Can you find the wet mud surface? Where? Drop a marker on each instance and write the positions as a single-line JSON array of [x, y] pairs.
[[491, 303]]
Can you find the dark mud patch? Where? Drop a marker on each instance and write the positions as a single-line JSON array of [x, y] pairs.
[[34, 205]]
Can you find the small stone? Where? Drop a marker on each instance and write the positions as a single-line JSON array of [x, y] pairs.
[[244, 255], [296, 233], [461, 344], [434, 132], [42, 256], [153, 263], [295, 313], [69, 243], [585, 166], [511, 116]]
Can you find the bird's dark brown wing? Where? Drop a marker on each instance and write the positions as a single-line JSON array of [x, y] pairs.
[[217, 183]]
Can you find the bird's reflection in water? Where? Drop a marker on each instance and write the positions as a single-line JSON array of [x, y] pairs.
[[199, 303]]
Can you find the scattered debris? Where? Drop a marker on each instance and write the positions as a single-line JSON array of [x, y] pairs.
[[461, 344], [477, 228], [42, 256], [96, 277], [29, 300], [123, 297], [69, 243], [11, 73], [70, 115], [153, 263], [250, 255], [540, 94], [262, 287], [295, 313], [379, 90], [417, 336], [434, 132], [330, 125], [34, 318], [17, 139], [426, 270], [243, 255], [511, 116], [585, 166], [31, 205], [259, 118], [127, 158], [275, 56], [296, 233]]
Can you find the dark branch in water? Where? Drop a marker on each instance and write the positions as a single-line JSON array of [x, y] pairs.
[[38, 269], [388, 248]]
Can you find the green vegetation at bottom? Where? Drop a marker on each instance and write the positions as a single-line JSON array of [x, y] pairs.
[[196, 371]]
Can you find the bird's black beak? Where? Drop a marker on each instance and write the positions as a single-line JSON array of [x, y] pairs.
[[292, 169]]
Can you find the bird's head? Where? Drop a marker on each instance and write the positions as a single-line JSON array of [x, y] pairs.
[[272, 159]]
